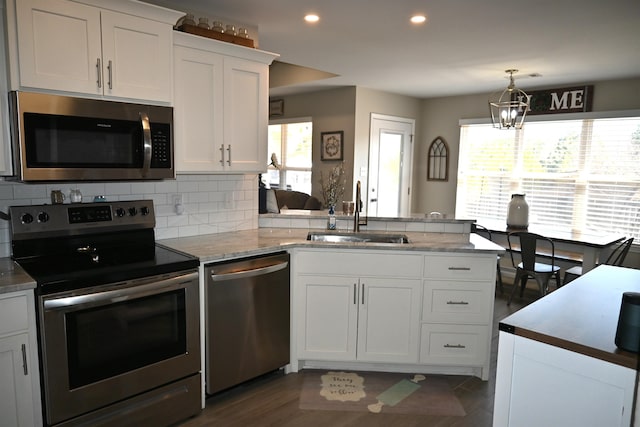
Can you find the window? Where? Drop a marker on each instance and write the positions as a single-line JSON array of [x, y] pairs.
[[291, 142], [579, 174]]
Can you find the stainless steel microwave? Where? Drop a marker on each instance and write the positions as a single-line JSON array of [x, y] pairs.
[[61, 138]]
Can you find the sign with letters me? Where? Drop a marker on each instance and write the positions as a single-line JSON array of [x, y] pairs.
[[578, 99]]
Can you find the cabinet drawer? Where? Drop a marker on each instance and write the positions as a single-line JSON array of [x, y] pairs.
[[457, 302], [454, 344], [477, 267], [359, 263], [13, 313]]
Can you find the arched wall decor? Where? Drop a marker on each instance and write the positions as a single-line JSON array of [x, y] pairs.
[[438, 160]]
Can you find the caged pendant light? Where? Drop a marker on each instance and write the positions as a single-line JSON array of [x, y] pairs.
[[509, 110]]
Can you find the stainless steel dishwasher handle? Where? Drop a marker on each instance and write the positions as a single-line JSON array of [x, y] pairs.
[[249, 273]]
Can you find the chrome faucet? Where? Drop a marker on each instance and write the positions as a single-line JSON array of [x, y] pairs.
[[357, 208]]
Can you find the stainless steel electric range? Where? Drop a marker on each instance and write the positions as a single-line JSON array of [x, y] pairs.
[[118, 314]]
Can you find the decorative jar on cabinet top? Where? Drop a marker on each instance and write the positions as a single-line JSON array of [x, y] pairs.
[[518, 214]]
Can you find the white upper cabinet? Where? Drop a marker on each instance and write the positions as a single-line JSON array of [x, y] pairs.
[[67, 46], [221, 106]]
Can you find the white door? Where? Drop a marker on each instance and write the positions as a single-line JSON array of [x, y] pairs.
[[198, 110], [136, 57], [388, 320], [390, 163], [59, 46], [329, 321], [246, 100]]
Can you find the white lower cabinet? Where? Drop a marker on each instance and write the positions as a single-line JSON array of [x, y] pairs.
[[432, 311], [457, 310], [357, 306], [538, 384], [366, 319], [19, 373]]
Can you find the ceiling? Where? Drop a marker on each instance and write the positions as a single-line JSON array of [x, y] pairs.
[[463, 48]]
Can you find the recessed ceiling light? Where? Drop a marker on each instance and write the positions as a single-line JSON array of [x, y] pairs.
[[311, 18], [418, 19]]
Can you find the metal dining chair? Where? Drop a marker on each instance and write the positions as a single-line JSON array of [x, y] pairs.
[[530, 246], [616, 257], [485, 232]]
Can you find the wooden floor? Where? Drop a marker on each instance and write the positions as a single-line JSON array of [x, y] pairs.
[[273, 400]]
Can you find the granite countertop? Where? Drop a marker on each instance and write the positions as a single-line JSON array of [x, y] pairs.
[[581, 316], [215, 247], [13, 278]]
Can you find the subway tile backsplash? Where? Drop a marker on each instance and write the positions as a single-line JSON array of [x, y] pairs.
[[212, 203]]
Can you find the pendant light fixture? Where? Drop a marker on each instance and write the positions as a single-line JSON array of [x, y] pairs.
[[509, 110]]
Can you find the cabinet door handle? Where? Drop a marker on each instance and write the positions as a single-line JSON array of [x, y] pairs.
[[355, 297], [454, 346], [363, 294], [457, 303], [24, 359], [460, 268], [110, 69], [99, 71], [222, 154], [229, 156]]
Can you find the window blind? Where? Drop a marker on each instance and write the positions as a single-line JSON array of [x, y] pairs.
[[581, 174]]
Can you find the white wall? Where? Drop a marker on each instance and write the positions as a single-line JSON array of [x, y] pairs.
[[213, 203]]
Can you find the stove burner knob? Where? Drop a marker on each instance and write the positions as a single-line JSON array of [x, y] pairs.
[[144, 210], [120, 212], [26, 218], [43, 217], [133, 211]]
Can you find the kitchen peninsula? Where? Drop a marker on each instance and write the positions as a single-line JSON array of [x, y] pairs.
[[557, 360], [424, 306]]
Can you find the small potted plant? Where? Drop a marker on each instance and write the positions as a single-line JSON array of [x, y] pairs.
[[333, 186]]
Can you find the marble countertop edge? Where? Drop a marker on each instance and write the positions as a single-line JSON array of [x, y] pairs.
[[216, 247]]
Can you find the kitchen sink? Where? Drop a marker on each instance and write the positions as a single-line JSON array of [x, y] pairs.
[[351, 237]]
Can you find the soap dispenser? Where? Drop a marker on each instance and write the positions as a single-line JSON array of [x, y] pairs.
[[331, 222]]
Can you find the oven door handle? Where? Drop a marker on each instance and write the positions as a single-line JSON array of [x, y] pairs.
[[117, 295]]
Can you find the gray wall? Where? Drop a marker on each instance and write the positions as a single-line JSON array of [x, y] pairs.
[[440, 117]]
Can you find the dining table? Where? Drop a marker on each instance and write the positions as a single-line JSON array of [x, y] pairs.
[[588, 245]]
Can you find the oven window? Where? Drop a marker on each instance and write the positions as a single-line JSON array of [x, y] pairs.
[[110, 340]]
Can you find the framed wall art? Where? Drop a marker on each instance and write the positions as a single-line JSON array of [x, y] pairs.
[[331, 145], [438, 160], [276, 107]]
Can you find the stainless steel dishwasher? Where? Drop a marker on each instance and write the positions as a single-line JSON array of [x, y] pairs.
[[246, 319]]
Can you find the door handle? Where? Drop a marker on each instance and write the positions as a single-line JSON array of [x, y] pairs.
[[24, 359], [99, 71], [229, 156], [110, 69], [222, 154], [363, 294], [355, 297]]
